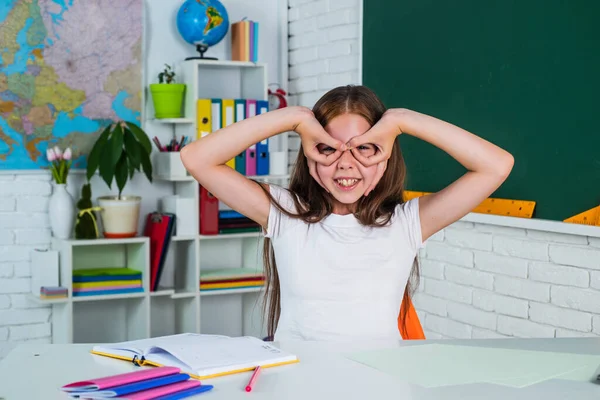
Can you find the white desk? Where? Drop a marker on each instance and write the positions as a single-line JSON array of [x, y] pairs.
[[32, 372]]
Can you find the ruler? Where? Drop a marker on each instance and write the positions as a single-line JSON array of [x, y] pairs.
[[589, 217], [507, 207]]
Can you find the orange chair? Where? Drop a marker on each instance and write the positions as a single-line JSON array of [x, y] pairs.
[[409, 327]]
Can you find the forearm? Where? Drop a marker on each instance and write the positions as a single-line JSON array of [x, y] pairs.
[[474, 153], [221, 146]]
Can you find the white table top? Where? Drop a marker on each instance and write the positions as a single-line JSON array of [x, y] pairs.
[[37, 371]]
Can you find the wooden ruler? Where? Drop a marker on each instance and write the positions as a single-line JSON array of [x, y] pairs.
[[507, 207], [589, 217]]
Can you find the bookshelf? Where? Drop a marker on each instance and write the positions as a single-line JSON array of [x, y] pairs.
[[178, 305]]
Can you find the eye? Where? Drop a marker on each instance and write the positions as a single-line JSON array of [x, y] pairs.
[[367, 150], [324, 149]]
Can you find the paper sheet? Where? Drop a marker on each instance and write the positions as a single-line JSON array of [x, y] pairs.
[[442, 365]]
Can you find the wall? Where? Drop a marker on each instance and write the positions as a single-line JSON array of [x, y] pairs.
[[24, 223], [478, 280], [324, 50]]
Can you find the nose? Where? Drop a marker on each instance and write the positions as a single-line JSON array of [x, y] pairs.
[[346, 160]]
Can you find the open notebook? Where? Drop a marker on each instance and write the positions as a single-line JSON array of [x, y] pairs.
[[201, 356]]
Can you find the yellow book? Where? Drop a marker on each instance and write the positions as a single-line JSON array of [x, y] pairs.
[[199, 355], [203, 115], [226, 285], [246, 27], [228, 119]]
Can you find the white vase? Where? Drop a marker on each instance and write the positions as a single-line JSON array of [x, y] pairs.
[[61, 210]]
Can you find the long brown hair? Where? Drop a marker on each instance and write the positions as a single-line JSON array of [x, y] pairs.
[[313, 203]]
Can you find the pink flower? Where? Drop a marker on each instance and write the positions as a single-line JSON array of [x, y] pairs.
[[50, 155], [58, 152], [67, 154]]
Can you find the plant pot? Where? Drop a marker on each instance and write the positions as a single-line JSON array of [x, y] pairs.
[[120, 216], [61, 211], [167, 99]]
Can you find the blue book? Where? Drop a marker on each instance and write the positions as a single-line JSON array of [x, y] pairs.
[[119, 391], [187, 393], [115, 291], [230, 214]]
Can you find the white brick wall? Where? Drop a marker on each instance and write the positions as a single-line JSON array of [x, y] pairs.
[[478, 280], [526, 284], [24, 225]]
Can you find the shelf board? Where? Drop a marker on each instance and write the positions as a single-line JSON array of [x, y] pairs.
[[78, 299], [49, 301], [184, 178], [226, 63], [189, 178], [183, 295], [231, 291], [162, 292], [174, 120], [230, 236], [183, 238], [101, 241]]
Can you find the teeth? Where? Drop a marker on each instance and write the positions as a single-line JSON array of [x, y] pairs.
[[347, 182]]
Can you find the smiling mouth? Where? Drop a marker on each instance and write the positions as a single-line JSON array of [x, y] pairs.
[[346, 183]]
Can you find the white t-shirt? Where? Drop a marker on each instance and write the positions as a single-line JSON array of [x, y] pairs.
[[340, 280]]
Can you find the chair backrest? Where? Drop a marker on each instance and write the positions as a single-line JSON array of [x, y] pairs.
[[410, 327]]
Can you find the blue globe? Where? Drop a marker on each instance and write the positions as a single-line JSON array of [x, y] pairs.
[[203, 23]]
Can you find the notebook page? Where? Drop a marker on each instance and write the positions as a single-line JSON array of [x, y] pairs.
[[223, 355], [143, 346]]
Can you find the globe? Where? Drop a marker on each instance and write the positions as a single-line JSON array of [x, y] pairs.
[[203, 23]]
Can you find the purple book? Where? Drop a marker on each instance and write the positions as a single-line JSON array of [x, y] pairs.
[[251, 55]]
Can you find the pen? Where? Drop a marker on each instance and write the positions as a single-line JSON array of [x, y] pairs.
[[253, 379]]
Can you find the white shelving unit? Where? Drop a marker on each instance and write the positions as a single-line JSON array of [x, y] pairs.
[[178, 305]]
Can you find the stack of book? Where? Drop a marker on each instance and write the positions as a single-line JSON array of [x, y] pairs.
[[231, 221], [162, 382], [244, 41], [231, 278], [101, 281], [53, 292]]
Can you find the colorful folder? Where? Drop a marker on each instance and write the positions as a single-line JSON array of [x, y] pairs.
[[159, 228], [262, 148]]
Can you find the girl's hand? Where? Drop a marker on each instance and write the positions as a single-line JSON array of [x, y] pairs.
[[313, 137], [383, 136]]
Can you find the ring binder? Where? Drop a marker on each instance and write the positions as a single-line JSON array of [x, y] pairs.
[[138, 363]]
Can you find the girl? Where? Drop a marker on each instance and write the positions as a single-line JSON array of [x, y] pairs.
[[340, 244]]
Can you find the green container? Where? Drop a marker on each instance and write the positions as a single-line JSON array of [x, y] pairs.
[[167, 99]]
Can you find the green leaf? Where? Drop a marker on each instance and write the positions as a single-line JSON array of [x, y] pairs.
[[131, 168], [121, 172], [147, 165], [133, 150], [110, 156], [94, 156], [107, 168], [141, 137], [116, 144]]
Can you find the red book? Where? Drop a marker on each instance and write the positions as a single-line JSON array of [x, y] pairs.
[[209, 213], [159, 228]]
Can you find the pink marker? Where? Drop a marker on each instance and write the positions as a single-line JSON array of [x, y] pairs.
[[253, 379]]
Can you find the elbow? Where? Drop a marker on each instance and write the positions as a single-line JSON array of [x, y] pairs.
[[190, 158], [184, 156], [505, 165]]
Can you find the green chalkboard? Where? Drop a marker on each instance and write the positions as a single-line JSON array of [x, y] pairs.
[[523, 74]]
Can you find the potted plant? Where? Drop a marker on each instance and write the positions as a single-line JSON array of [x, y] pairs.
[[167, 96], [121, 149]]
